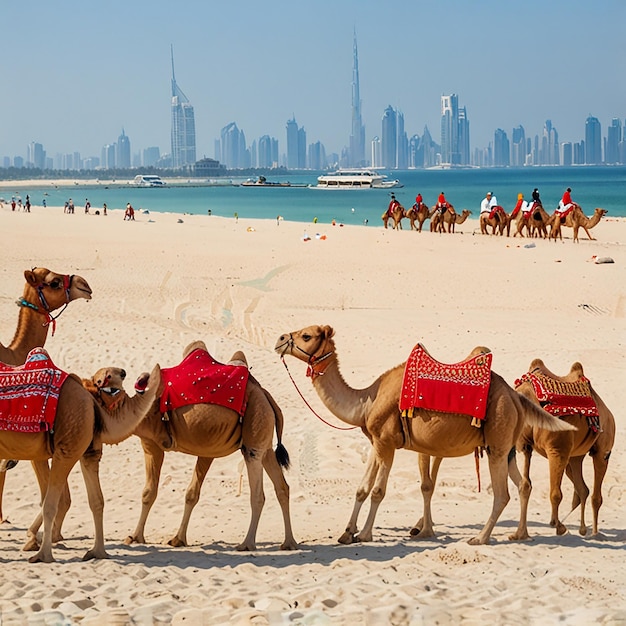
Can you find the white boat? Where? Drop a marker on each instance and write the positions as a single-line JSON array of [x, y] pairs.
[[148, 180], [355, 179]]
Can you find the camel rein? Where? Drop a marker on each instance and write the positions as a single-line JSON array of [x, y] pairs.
[[282, 358], [50, 319]]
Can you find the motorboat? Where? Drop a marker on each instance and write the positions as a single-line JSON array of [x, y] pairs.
[[355, 179], [148, 180], [261, 181]]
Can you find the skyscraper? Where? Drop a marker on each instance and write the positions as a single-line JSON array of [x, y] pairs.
[[296, 145], [593, 141], [357, 136], [122, 151], [389, 146], [450, 130], [183, 126], [613, 139]]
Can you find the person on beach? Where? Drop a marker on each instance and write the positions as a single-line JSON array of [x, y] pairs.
[[489, 201], [43, 202], [129, 214], [419, 200], [519, 206], [104, 208], [442, 203], [392, 205], [87, 205], [27, 205], [70, 206], [566, 202], [536, 198], [13, 203]]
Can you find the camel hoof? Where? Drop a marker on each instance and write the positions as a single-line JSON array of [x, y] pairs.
[[518, 536], [363, 538], [583, 530], [477, 541], [420, 534], [347, 538], [560, 529], [94, 553], [31, 545], [175, 542], [244, 547], [290, 545], [130, 540], [41, 557]]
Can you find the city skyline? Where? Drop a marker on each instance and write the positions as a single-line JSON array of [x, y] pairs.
[[70, 100]]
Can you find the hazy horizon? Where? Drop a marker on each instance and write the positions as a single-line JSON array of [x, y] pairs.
[[76, 75]]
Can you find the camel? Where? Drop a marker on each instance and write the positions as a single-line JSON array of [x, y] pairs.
[[80, 428], [576, 220], [536, 223], [419, 214], [436, 218], [431, 433], [451, 219], [566, 451], [499, 222], [396, 216], [210, 431], [44, 292]]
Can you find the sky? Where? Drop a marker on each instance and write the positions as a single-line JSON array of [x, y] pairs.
[[74, 73]]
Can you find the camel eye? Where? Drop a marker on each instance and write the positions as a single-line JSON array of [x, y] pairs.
[[55, 284], [306, 337]]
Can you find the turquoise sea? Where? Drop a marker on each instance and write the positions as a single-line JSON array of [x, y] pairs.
[[591, 187]]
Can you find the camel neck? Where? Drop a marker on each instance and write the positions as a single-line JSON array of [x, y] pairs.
[[31, 332]]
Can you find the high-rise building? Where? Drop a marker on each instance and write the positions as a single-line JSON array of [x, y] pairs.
[[549, 151], [151, 156], [593, 141], [122, 151], [183, 126], [613, 139], [357, 136], [518, 147], [455, 136], [35, 156], [232, 146], [402, 161], [108, 157], [389, 145], [376, 155], [501, 149], [296, 145]]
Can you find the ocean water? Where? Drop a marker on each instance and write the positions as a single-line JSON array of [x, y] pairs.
[[591, 187]]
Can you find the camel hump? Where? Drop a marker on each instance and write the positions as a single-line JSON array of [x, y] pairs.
[[577, 369], [536, 364], [194, 345], [478, 350], [239, 358]]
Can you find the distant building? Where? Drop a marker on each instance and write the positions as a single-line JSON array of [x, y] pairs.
[[389, 145], [317, 156], [233, 146], [501, 149], [549, 151], [518, 147], [613, 140], [402, 159], [206, 168], [567, 154], [122, 151], [150, 156], [183, 134], [296, 145], [593, 141], [376, 154], [267, 152], [356, 156], [108, 157], [35, 156]]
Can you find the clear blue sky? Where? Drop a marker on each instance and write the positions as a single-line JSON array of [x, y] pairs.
[[75, 72]]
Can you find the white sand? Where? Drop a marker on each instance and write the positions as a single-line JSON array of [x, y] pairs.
[[159, 284]]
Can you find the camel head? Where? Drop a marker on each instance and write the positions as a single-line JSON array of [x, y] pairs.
[[107, 386], [313, 345], [51, 291]]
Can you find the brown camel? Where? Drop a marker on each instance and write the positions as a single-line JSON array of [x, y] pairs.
[[396, 216], [451, 219], [44, 292], [536, 223], [419, 214], [500, 222], [565, 452], [209, 431], [436, 218], [576, 220], [80, 428], [375, 410]]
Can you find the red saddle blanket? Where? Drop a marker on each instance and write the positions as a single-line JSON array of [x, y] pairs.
[[497, 211], [29, 393], [459, 388], [563, 398], [200, 379]]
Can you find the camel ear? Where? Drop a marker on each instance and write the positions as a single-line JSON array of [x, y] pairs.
[[31, 278], [328, 332], [577, 368]]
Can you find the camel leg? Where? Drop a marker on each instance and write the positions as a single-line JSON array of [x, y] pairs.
[[90, 466], [423, 529], [3, 475], [588, 234], [600, 466], [367, 482], [557, 464], [574, 471], [59, 472], [385, 461], [522, 482], [153, 460], [275, 472], [254, 466], [499, 483], [191, 499]]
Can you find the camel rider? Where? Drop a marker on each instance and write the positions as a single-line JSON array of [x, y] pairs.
[[392, 205], [566, 202], [536, 198], [488, 203], [418, 200], [519, 205], [442, 203]]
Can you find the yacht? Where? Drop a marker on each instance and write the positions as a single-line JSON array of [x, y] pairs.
[[355, 179], [148, 180]]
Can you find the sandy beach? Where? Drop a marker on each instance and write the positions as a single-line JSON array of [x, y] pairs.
[[166, 280]]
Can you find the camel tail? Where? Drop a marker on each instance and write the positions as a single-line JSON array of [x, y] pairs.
[[537, 417], [282, 456]]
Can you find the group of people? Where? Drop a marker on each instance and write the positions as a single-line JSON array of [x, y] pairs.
[[20, 207]]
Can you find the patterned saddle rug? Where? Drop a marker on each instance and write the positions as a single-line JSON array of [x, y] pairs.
[[29, 393], [497, 212], [458, 388], [562, 398], [200, 379]]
